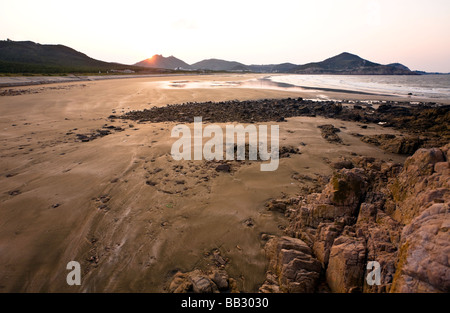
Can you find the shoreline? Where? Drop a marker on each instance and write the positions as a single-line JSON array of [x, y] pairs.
[[247, 80], [129, 213], [23, 81]]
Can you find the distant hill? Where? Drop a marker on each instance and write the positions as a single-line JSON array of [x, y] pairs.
[[31, 57], [399, 66], [158, 61], [344, 63], [347, 63], [223, 65], [219, 65], [272, 68]]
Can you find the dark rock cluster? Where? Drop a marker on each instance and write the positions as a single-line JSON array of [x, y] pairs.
[[105, 131], [426, 122], [329, 133]]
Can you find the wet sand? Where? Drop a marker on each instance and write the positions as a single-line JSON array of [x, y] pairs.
[[122, 207]]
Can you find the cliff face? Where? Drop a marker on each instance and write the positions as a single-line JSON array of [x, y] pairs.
[[375, 211]]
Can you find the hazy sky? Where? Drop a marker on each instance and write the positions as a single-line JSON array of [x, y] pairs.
[[412, 32]]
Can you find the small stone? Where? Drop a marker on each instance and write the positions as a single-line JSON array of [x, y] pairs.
[[249, 222], [218, 258], [223, 168]]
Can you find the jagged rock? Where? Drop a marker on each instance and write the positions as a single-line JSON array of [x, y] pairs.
[[195, 281], [220, 278], [382, 235], [378, 211], [292, 268], [339, 200], [342, 164], [425, 177], [180, 283], [348, 187], [277, 205], [424, 254], [202, 283], [367, 213], [271, 284], [346, 265], [326, 233], [422, 162]]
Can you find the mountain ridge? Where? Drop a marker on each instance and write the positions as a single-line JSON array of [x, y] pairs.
[[30, 57], [158, 61], [344, 63], [218, 65]]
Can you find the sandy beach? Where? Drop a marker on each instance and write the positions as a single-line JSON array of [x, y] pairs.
[[122, 207]]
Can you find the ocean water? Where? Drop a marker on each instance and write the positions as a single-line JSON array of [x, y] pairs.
[[426, 86]]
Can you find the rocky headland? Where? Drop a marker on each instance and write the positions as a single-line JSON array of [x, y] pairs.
[[397, 215]]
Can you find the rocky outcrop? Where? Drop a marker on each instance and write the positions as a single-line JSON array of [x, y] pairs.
[[197, 281], [213, 278], [329, 133], [345, 270], [423, 181], [423, 264], [369, 211], [292, 267], [382, 235], [338, 203], [394, 144]]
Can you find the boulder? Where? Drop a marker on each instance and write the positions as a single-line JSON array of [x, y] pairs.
[[382, 235], [423, 264], [220, 278], [277, 205], [326, 233], [346, 265], [424, 179], [292, 268], [338, 165], [201, 283], [339, 201]]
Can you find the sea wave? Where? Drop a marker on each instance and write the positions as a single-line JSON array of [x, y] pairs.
[[428, 86]]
